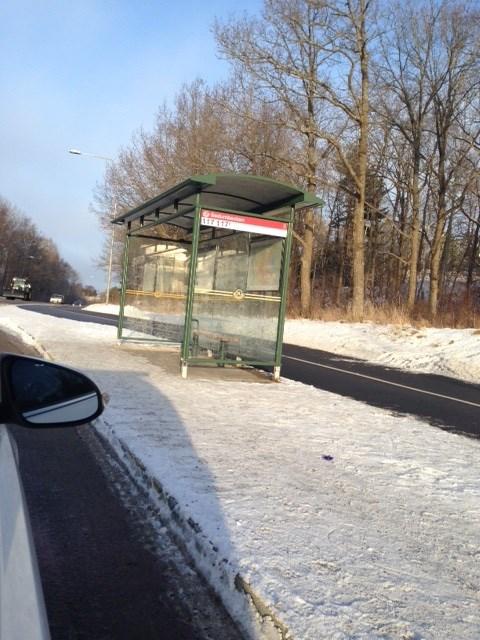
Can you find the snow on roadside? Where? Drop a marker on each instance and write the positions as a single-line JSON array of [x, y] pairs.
[[346, 520], [449, 352]]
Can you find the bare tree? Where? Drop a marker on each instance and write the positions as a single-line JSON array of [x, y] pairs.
[[24, 252], [407, 99], [453, 74], [200, 134], [306, 54], [396, 165], [280, 53]]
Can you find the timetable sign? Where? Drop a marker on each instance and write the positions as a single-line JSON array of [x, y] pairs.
[[248, 224]]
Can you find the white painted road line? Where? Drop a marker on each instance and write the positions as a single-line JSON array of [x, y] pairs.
[[393, 384]]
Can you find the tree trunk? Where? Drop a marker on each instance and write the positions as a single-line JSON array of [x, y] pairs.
[[306, 265], [308, 234], [358, 236], [445, 259], [358, 300], [358, 260], [472, 261], [435, 260], [415, 238]]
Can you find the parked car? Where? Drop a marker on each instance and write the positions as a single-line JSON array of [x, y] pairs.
[[56, 298], [35, 394]]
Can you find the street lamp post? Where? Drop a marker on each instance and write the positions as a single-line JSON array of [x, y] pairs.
[[77, 152]]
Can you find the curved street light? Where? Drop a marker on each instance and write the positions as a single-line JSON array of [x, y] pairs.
[[77, 152]]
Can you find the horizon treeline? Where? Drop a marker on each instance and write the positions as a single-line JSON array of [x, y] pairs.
[[26, 253], [375, 107]]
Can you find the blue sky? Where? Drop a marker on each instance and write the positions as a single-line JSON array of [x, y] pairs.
[[86, 75]]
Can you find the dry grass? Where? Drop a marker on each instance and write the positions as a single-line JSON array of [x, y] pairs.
[[458, 320], [458, 316]]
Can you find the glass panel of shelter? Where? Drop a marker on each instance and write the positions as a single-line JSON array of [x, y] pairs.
[[237, 299], [155, 291]]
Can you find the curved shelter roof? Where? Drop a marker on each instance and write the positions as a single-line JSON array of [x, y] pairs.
[[220, 191]]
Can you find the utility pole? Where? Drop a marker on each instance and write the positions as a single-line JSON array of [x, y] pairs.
[[77, 152]]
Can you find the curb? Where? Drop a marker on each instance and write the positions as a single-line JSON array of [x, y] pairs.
[[252, 614], [246, 607]]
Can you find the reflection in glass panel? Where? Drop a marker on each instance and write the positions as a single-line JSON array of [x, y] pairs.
[[237, 298], [206, 268], [264, 264], [156, 288], [231, 263]]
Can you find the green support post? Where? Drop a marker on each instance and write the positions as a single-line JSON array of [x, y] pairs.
[[124, 287], [191, 288], [283, 296]]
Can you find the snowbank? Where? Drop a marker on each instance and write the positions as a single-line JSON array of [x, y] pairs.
[[449, 352], [344, 520]]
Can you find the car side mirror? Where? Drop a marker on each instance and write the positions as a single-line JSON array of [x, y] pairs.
[[37, 393]]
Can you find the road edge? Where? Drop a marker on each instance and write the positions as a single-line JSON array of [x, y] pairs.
[[247, 608], [239, 598]]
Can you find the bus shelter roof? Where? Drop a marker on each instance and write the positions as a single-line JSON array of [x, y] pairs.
[[220, 191]]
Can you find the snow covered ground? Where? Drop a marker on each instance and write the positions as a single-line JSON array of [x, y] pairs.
[[343, 520], [449, 352]]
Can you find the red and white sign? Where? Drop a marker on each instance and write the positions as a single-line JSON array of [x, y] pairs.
[[243, 223]]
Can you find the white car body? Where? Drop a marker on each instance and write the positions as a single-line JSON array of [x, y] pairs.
[[33, 393], [22, 607], [56, 298]]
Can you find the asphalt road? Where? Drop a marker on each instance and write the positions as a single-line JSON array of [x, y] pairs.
[[69, 312], [444, 402], [108, 566]]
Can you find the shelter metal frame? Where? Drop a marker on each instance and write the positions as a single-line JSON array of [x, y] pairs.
[[235, 196]]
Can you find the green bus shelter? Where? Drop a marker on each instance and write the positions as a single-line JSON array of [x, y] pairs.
[[206, 268]]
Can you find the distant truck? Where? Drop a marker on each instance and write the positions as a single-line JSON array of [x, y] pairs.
[[18, 288], [56, 298]]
